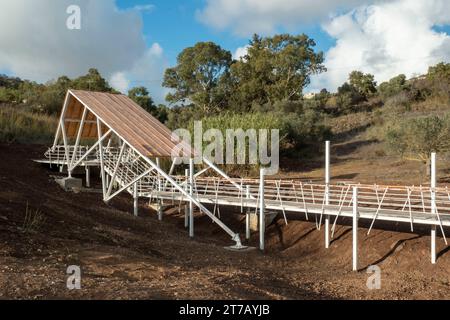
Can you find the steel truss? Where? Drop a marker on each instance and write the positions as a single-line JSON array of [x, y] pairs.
[[124, 169]]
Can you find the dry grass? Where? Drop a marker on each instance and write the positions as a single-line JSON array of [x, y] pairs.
[[33, 220], [350, 122], [23, 126]]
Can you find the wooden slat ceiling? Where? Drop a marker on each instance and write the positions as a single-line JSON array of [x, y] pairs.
[[121, 114]]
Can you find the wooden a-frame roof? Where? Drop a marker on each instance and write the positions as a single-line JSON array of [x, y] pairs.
[[124, 117]]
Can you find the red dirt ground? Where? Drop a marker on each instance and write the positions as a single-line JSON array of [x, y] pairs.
[[123, 257]]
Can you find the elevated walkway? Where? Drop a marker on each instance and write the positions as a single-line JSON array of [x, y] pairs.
[[127, 144]]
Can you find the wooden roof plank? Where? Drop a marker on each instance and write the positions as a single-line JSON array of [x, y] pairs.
[[130, 121]]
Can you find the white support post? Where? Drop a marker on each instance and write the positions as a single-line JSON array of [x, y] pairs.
[[191, 193], [172, 168], [159, 202], [262, 222], [78, 139], [234, 236], [160, 211], [355, 228], [100, 150], [130, 184], [186, 207], [57, 136], [433, 207], [107, 181], [135, 199], [116, 168], [66, 146], [247, 215], [88, 177], [59, 130], [91, 149], [433, 244], [108, 145], [327, 193]]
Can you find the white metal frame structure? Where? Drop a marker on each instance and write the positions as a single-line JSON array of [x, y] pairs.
[[125, 168]]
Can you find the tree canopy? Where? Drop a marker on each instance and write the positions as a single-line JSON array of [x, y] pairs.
[[92, 81], [274, 69], [201, 77], [441, 71], [393, 86], [417, 138], [141, 96], [364, 83]]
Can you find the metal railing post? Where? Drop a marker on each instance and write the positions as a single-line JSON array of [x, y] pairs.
[[135, 200], [159, 201], [262, 221], [247, 214], [191, 193], [88, 177], [186, 207], [433, 207], [355, 228], [327, 193]]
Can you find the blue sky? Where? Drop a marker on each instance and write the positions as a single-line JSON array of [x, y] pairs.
[[176, 25], [173, 24], [132, 45]]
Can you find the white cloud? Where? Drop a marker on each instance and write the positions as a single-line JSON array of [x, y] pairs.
[[145, 8], [120, 82], [386, 39], [156, 49], [147, 71], [246, 17], [36, 44], [382, 37], [240, 52]]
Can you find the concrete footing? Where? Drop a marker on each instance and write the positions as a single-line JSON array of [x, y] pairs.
[[254, 220], [240, 248], [70, 184]]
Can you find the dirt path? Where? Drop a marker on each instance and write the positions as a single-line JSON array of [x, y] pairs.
[[123, 257]]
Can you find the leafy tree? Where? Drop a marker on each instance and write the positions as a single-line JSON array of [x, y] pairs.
[[201, 77], [10, 89], [393, 86], [162, 113], [438, 79], [323, 95], [92, 81], [180, 116], [441, 71], [141, 96], [50, 97], [10, 82], [320, 100], [275, 68], [347, 98], [417, 138], [7, 95], [363, 83]]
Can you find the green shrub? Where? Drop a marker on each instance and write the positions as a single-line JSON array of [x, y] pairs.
[[417, 138], [348, 98], [295, 130], [393, 87]]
